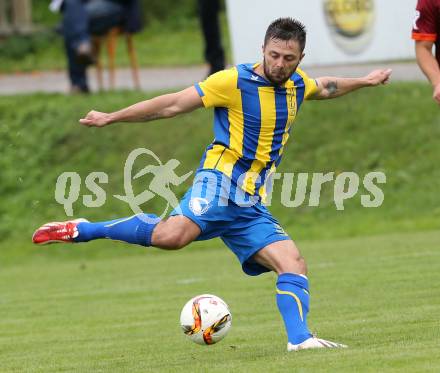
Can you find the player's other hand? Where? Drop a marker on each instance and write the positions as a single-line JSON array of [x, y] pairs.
[[95, 119], [376, 77], [436, 94]]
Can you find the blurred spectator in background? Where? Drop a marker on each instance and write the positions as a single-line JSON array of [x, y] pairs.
[[209, 19], [426, 32], [83, 18]]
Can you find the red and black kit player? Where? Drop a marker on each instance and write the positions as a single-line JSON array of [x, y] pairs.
[[426, 33]]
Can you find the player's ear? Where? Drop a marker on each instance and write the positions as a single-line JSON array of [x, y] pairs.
[[302, 56]]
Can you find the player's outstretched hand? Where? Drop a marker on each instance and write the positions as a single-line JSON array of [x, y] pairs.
[[95, 119], [376, 77], [436, 94]]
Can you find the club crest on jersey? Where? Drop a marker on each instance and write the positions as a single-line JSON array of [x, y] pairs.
[[199, 205], [291, 104]]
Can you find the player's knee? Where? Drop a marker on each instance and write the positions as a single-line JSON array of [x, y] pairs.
[[167, 236], [172, 242], [293, 263], [177, 240], [302, 265], [297, 266]]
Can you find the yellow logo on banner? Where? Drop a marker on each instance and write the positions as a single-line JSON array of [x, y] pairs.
[[351, 23]]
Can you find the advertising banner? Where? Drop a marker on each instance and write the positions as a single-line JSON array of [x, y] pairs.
[[338, 31]]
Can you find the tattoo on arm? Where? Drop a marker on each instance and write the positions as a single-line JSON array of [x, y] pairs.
[[332, 87]]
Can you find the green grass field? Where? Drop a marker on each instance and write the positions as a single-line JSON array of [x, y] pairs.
[[106, 306], [62, 312]]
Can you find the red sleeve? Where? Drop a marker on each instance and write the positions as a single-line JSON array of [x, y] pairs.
[[425, 22]]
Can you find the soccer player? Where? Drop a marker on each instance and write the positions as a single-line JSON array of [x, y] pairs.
[[255, 107], [426, 33]]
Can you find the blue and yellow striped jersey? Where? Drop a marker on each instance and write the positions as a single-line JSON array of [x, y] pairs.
[[252, 122]]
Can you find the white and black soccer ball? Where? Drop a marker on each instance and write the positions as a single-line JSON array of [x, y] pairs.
[[205, 319]]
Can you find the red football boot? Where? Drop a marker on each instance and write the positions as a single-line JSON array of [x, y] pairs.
[[57, 232]]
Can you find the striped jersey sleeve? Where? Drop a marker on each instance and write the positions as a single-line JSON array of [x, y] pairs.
[[311, 86], [216, 90]]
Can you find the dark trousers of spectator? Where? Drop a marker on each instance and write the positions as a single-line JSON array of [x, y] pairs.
[[80, 20], [209, 19]]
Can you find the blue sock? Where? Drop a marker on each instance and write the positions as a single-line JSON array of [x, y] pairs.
[[135, 229], [293, 304]]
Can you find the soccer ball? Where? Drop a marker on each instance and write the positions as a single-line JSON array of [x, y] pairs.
[[205, 319]]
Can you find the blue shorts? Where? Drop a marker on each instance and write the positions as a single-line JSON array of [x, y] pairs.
[[244, 226]]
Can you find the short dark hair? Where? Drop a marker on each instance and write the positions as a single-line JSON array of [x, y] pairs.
[[286, 29]]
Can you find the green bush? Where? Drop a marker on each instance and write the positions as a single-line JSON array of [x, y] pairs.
[[17, 46], [169, 10]]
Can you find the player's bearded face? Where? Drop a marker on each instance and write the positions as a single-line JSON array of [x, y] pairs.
[[281, 58]]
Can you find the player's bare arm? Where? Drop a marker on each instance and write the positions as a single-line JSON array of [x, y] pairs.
[[428, 64], [332, 87], [165, 106]]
